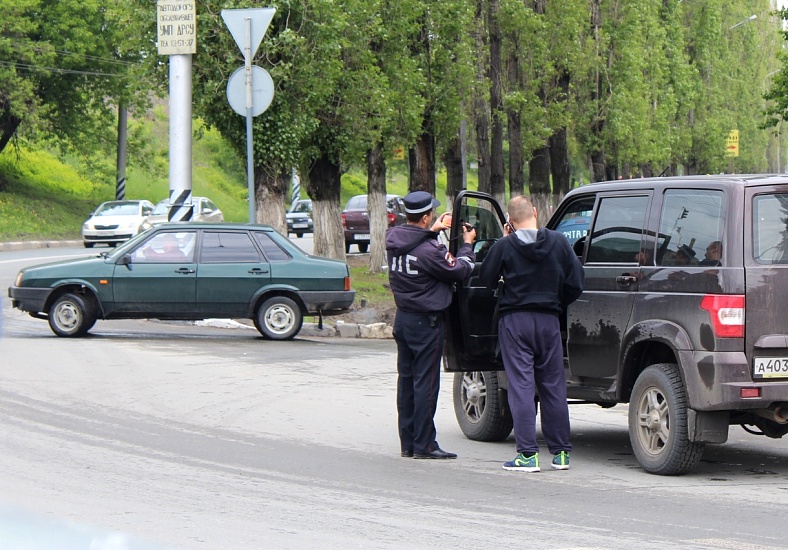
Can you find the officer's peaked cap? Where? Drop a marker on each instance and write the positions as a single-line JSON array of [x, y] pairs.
[[419, 202]]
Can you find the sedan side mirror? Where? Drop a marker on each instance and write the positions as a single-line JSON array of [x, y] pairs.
[[125, 260]]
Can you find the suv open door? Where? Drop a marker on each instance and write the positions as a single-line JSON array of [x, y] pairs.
[[471, 339]]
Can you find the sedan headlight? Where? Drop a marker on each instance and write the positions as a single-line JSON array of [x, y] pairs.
[[87, 226]]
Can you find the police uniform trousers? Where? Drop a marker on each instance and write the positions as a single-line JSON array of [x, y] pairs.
[[533, 359], [419, 338]]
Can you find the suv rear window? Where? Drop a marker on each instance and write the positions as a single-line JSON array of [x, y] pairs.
[[770, 228], [690, 222]]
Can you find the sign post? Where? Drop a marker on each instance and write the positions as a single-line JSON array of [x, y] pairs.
[[248, 27], [176, 33], [732, 144]]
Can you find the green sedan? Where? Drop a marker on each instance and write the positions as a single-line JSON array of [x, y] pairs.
[[188, 271]]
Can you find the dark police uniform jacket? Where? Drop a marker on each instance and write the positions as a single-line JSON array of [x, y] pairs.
[[422, 271]]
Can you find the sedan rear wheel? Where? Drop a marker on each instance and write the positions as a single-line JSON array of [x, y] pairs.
[[279, 318], [71, 316]]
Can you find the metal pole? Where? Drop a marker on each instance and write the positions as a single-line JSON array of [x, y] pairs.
[[120, 181], [180, 137], [249, 104]]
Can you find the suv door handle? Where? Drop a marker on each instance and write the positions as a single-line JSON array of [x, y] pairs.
[[626, 280], [258, 271], [184, 271]]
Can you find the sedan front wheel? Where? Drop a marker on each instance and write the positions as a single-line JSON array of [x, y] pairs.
[[279, 318], [71, 316]]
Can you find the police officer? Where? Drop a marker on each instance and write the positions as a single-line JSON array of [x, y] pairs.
[[422, 273]]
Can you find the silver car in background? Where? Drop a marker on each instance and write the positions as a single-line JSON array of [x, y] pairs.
[[205, 210], [114, 222]]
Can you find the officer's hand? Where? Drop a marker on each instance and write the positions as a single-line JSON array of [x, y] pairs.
[[443, 222], [468, 233]]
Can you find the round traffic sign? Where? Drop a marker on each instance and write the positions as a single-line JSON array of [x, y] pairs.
[[262, 90]]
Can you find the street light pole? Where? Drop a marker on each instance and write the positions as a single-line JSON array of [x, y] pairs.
[[740, 23]]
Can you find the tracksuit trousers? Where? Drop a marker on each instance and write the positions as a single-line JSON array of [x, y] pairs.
[[533, 360]]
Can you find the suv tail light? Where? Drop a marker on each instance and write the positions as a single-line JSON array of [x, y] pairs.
[[392, 218], [726, 314], [344, 221]]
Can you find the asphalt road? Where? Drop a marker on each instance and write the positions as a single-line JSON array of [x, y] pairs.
[[151, 434]]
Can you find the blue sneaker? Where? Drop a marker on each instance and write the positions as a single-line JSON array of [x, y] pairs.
[[561, 460], [522, 463]]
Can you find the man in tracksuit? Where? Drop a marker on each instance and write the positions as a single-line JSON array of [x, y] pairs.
[[422, 274], [542, 276]]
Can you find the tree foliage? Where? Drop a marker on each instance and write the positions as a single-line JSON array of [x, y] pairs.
[[64, 65]]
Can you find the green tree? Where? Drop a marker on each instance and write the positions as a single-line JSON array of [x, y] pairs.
[[64, 65]]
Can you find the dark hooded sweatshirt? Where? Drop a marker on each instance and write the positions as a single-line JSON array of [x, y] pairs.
[[422, 271], [541, 271]]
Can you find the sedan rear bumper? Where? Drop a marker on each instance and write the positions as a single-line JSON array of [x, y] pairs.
[[29, 299], [328, 302]]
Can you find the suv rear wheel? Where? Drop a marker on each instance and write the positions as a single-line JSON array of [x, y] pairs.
[[477, 406], [658, 422]]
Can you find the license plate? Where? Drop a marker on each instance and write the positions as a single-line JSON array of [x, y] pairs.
[[104, 234], [300, 226], [770, 367], [362, 237]]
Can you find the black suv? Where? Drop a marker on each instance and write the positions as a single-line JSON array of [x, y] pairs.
[[673, 267]]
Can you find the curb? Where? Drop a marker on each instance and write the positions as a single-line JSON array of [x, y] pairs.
[[26, 245]]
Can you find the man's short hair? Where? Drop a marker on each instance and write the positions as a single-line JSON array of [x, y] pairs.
[[520, 209]]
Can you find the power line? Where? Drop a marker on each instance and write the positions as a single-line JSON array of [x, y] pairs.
[[27, 67]]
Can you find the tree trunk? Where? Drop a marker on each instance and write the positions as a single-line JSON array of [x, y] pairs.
[[422, 161], [539, 184], [497, 172], [271, 188], [598, 153], [481, 108], [598, 165], [559, 162], [516, 160], [8, 125], [324, 186], [559, 148], [454, 160], [376, 203]]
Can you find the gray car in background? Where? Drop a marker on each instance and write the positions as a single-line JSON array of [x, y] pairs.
[[205, 210]]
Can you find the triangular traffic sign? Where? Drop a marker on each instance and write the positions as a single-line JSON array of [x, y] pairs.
[[236, 22]]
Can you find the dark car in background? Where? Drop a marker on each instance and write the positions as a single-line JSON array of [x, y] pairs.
[[355, 219], [188, 271], [673, 268], [299, 218]]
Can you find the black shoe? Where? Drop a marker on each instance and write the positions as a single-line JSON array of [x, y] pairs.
[[436, 453], [406, 454]]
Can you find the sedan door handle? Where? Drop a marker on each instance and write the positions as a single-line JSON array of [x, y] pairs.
[[184, 271], [626, 280], [258, 271]]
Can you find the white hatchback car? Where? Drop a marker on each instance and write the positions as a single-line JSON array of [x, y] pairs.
[[114, 222]]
